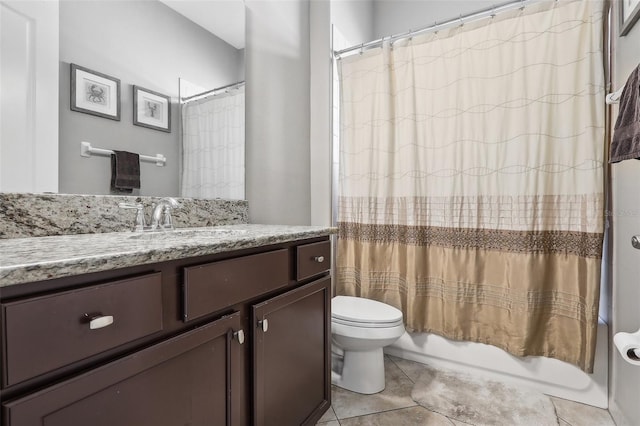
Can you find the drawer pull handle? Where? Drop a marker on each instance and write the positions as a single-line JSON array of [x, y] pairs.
[[239, 336], [318, 259], [100, 321], [264, 325]]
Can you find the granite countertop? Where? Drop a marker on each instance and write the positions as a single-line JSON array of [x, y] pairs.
[[25, 260]]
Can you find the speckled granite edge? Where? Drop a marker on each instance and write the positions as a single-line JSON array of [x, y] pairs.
[[38, 259], [37, 215]]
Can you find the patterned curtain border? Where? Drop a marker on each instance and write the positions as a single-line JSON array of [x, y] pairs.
[[583, 244]]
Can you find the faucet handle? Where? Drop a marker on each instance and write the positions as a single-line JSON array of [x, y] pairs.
[[140, 222], [167, 221]]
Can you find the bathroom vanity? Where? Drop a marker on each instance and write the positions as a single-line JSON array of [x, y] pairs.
[[198, 327]]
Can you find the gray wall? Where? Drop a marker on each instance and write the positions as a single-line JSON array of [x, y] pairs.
[[143, 43], [277, 112], [625, 378], [399, 16], [354, 19]]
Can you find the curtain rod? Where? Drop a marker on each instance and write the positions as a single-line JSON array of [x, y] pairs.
[[212, 91], [462, 19]]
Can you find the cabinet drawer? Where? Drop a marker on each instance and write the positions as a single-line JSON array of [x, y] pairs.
[[48, 332], [191, 379], [313, 259], [214, 286]]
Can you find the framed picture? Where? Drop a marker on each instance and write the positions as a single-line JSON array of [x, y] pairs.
[[629, 14], [151, 109], [95, 93]]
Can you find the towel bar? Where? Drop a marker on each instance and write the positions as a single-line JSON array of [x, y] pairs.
[[86, 150]]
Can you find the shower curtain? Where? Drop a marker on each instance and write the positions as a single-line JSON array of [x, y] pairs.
[[471, 179], [213, 146]]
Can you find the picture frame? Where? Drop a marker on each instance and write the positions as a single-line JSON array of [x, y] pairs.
[[629, 14], [151, 109], [95, 93]]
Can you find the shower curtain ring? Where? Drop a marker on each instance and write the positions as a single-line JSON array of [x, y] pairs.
[[461, 21], [362, 48], [522, 4], [493, 11]]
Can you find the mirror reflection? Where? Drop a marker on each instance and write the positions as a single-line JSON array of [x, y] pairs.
[[212, 141], [154, 45]]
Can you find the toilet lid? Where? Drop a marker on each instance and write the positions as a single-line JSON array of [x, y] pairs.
[[364, 311]]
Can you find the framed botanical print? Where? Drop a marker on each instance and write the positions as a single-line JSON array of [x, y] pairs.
[[151, 109], [95, 93]]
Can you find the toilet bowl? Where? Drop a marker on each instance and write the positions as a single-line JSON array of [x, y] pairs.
[[360, 328]]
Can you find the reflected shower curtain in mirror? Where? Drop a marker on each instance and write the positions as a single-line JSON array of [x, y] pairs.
[[471, 179], [213, 146]]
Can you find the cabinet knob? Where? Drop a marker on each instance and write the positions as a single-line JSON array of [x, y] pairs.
[[239, 336], [264, 325], [99, 321], [318, 259]]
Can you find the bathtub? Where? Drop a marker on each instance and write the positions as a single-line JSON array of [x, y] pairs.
[[547, 375]]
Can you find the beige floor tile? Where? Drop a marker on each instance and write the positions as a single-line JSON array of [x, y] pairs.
[[397, 394], [331, 423], [458, 422], [328, 416], [576, 414], [403, 417], [411, 368]]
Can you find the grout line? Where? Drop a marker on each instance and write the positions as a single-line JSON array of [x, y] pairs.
[[400, 368], [379, 412], [452, 419], [336, 415], [555, 411]]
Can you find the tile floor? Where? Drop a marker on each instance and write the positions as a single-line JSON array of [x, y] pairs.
[[394, 406]]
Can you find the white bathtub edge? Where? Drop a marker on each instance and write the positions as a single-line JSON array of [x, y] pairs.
[[549, 376]]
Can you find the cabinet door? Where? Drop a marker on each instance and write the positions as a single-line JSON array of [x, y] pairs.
[[292, 356], [186, 380]]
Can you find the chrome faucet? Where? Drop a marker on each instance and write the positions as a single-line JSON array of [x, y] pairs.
[[161, 217]]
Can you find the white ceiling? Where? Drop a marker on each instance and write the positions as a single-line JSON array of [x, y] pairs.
[[224, 18]]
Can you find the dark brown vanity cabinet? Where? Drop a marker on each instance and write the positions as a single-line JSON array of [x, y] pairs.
[[185, 380], [236, 338], [289, 355]]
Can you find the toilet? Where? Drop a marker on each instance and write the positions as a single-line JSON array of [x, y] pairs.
[[360, 328]]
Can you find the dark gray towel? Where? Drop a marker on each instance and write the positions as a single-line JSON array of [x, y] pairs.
[[125, 171], [626, 133]]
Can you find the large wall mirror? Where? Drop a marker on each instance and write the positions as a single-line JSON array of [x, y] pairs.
[[189, 51]]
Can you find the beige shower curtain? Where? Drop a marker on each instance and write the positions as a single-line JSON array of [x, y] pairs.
[[471, 179]]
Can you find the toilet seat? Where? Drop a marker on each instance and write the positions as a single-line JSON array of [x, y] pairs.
[[365, 313], [366, 324]]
